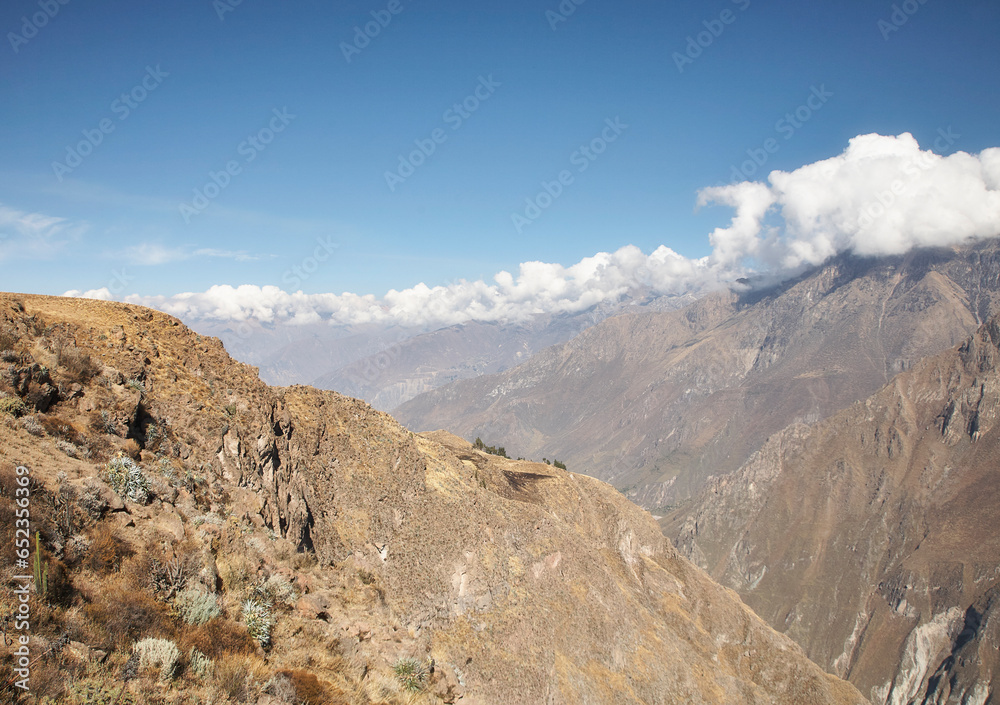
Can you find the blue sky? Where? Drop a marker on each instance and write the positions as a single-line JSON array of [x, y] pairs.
[[213, 82]]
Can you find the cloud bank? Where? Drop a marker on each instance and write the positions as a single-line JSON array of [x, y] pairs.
[[882, 196]]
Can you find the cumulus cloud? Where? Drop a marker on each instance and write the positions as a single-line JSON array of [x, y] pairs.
[[883, 195]]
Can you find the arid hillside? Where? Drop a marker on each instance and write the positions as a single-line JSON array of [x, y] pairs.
[[872, 538], [202, 537], [658, 403]]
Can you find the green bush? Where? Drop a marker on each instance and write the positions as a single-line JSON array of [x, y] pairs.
[[13, 406], [127, 479], [259, 620], [162, 654], [411, 674], [196, 606]]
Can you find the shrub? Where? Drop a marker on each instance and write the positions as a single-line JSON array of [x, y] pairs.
[[240, 677], [31, 425], [196, 606], [107, 551], [79, 366], [275, 590], [219, 637], [281, 688], [127, 479], [161, 654], [132, 448], [308, 688], [122, 615], [96, 687], [200, 665], [167, 576], [92, 500], [72, 450], [410, 673], [258, 619], [12, 406], [60, 428]]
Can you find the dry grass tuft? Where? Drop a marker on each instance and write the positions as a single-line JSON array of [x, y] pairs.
[[107, 551]]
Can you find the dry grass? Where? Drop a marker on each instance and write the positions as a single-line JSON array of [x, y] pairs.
[[107, 550], [241, 677], [119, 615]]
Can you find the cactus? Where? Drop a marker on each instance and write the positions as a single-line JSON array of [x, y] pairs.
[[41, 573]]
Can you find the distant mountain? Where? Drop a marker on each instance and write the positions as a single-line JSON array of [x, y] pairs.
[[387, 365], [659, 403], [401, 370], [872, 538], [287, 353]]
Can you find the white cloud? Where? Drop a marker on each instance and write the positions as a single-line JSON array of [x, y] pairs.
[[34, 235], [151, 253], [881, 196]]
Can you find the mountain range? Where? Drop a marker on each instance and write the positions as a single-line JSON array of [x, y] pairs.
[[659, 403]]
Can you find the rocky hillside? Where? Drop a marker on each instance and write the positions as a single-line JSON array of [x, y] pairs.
[[872, 538], [202, 537], [657, 403]]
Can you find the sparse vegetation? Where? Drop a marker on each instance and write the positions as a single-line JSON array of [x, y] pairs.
[[12, 406], [492, 450], [135, 385], [412, 674], [196, 606], [259, 620], [79, 366], [127, 479], [161, 654]]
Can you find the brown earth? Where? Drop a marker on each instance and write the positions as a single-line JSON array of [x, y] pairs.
[[503, 581]]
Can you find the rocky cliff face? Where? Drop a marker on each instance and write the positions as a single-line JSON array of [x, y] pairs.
[[397, 568], [871, 538], [658, 403]]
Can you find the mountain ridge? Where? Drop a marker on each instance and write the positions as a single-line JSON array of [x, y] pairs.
[[658, 404], [381, 552]]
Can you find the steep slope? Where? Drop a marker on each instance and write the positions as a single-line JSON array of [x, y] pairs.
[[658, 403], [400, 568], [872, 538]]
